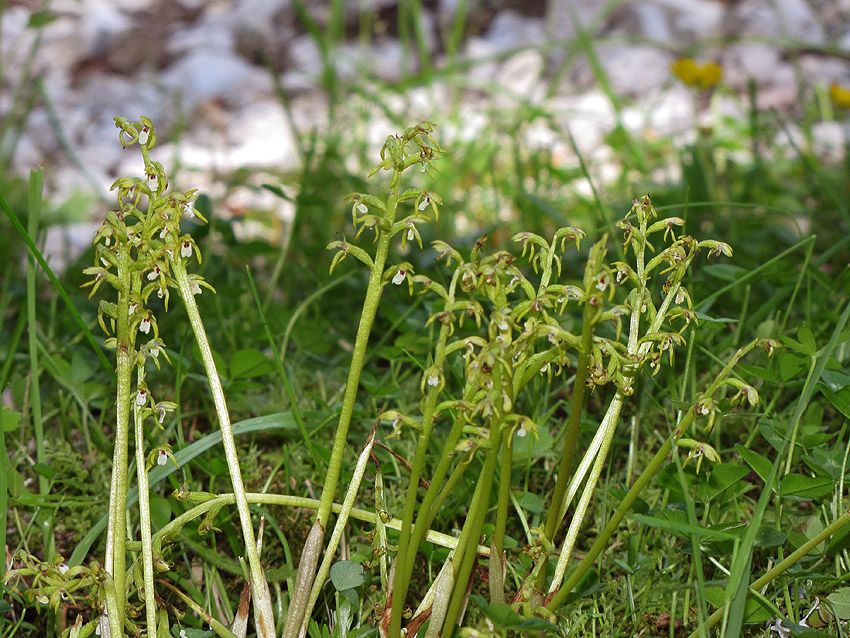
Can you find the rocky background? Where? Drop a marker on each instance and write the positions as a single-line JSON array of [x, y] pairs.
[[236, 83]]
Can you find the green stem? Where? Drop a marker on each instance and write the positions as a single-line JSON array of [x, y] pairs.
[[565, 468], [35, 189], [339, 528], [358, 359], [434, 496], [497, 590], [116, 535], [602, 540], [608, 427], [472, 529], [145, 518], [208, 501], [262, 608], [782, 566], [402, 577]]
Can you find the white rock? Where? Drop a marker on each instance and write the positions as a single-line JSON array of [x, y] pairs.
[[760, 62], [588, 117], [256, 14], [509, 30], [520, 73], [672, 112], [212, 35], [634, 69], [262, 137], [206, 74], [694, 19], [793, 19], [829, 139], [652, 22], [819, 69], [383, 60], [561, 14], [65, 243]]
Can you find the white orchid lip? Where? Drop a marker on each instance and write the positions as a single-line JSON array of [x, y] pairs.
[[398, 277]]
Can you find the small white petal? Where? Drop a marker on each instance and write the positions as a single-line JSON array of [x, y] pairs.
[[186, 250], [145, 326], [424, 203], [196, 289], [63, 568], [141, 397], [144, 136], [362, 208], [398, 278], [162, 457], [187, 210], [410, 234], [433, 380], [521, 432]]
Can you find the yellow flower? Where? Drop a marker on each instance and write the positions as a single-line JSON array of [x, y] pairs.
[[840, 96], [695, 74]]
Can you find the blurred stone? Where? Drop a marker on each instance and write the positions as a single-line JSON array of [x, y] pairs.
[[207, 73], [694, 19], [634, 69], [760, 62], [509, 30], [793, 19], [520, 73], [561, 14]]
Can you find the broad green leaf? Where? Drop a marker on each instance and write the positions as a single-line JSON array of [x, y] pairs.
[[11, 420], [805, 488], [683, 528], [45, 470], [530, 502], [249, 363], [841, 599], [504, 617], [346, 574], [791, 365], [807, 339], [755, 611], [814, 526], [756, 461], [160, 511], [840, 400], [758, 372], [278, 421]]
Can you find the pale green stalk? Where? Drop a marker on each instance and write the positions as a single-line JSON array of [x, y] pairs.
[[466, 553], [497, 546], [602, 540], [116, 534], [263, 614], [608, 428], [406, 550], [339, 529], [35, 189], [209, 501], [781, 567], [145, 519]]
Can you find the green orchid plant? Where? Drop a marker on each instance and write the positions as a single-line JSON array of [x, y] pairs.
[[503, 323]]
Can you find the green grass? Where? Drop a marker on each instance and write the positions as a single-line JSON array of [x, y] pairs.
[[714, 515]]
